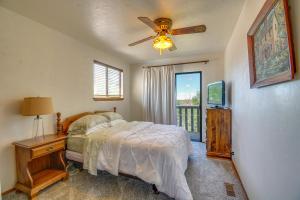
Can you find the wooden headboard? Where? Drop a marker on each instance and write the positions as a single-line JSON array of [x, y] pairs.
[[63, 126]]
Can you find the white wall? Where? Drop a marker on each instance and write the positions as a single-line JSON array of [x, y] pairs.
[[266, 134], [38, 61], [213, 71]]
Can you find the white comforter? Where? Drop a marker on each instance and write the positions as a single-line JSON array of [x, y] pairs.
[[155, 153]]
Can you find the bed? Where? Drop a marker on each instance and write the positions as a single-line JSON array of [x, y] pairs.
[[154, 153]]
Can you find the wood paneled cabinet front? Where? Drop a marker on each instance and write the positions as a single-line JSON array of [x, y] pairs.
[[218, 133], [39, 163]]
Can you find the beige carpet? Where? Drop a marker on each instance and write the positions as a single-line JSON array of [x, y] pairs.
[[206, 178]]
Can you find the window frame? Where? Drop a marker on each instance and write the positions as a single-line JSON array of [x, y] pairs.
[[121, 79]]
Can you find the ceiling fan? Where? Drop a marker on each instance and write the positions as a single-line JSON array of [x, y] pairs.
[[162, 28]]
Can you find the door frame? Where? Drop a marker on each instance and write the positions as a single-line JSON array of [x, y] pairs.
[[201, 102]]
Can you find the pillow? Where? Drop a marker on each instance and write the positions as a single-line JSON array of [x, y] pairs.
[[117, 122], [111, 115], [83, 124], [98, 127]]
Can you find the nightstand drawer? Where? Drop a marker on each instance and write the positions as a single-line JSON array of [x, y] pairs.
[[46, 149]]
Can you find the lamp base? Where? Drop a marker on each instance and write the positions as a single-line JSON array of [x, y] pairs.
[[38, 126]]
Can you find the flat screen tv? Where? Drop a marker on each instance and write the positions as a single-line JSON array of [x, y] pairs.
[[216, 94]]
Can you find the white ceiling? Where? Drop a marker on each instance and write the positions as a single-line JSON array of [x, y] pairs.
[[113, 24]]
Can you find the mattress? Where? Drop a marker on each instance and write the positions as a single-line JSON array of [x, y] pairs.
[[75, 143], [72, 155]]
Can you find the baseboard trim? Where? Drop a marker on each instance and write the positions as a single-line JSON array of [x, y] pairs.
[[234, 167], [8, 191]]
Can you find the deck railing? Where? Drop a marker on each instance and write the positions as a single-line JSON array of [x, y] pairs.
[[188, 117]]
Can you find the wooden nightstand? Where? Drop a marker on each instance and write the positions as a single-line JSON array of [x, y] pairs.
[[40, 163]]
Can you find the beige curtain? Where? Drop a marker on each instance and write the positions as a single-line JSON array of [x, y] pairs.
[[159, 98]]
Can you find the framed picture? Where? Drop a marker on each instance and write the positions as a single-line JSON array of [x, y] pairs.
[[270, 46]]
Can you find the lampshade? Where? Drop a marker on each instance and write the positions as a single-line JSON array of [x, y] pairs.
[[33, 106]]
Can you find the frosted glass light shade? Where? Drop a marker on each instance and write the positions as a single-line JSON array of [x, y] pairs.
[[162, 42]]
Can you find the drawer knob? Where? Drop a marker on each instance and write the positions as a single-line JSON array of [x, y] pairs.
[[50, 148]]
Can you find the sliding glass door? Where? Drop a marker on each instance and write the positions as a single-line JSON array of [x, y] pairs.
[[189, 104]]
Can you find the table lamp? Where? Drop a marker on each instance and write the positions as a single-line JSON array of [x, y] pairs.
[[36, 106]]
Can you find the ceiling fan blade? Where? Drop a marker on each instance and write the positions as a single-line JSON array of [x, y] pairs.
[[173, 48], [189, 30], [149, 23], [141, 41]]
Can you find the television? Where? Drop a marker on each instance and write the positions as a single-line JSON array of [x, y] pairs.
[[216, 94]]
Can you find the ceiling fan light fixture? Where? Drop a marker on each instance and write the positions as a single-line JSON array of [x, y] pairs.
[[162, 42], [163, 28]]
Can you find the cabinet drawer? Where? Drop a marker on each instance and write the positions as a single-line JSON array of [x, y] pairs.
[[46, 149]]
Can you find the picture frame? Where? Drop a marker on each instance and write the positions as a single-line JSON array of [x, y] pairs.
[[270, 46]]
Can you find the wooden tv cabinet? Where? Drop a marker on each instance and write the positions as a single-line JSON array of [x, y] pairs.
[[218, 132]]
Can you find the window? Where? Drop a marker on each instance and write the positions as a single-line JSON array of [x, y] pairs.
[[108, 82]]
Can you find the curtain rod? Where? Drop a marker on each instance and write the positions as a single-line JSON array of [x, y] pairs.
[[183, 63]]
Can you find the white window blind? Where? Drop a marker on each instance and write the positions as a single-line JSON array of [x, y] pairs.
[[108, 81]]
